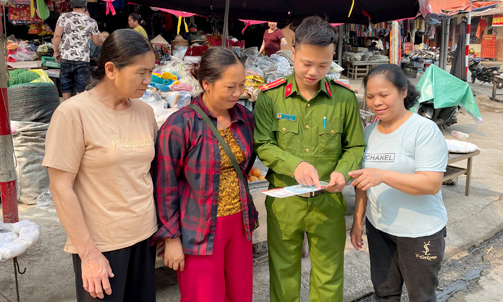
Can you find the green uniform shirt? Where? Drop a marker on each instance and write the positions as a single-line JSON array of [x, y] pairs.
[[326, 131]]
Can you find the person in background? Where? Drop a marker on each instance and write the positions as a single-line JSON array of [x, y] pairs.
[[74, 30], [206, 218], [95, 51], [398, 188], [289, 35], [136, 22], [308, 130], [99, 149], [273, 40]]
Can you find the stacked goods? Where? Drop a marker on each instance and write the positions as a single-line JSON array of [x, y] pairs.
[[255, 175]]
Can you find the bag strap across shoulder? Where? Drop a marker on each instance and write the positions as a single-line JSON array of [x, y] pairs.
[[224, 145]]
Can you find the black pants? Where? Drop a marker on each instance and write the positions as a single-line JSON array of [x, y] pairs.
[[133, 269], [395, 260]]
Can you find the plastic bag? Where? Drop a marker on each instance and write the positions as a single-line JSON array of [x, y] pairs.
[[334, 67], [178, 99], [333, 76], [155, 101], [44, 200], [12, 249], [254, 71], [16, 227], [7, 236], [179, 51], [22, 56], [190, 80], [44, 77], [460, 146], [280, 61]]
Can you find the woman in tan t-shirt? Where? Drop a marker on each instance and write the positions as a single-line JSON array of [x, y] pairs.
[[99, 148]]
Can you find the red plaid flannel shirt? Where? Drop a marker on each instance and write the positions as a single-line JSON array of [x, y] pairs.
[[186, 177]]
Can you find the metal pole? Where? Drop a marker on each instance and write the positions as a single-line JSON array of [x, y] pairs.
[[468, 30], [225, 34], [339, 46], [445, 43], [7, 169], [442, 40], [454, 23]]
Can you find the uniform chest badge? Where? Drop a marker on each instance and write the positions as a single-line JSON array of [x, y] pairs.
[[284, 116]]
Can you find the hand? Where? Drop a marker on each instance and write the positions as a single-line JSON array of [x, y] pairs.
[[337, 182], [173, 254], [356, 235], [57, 56], [365, 179], [306, 175], [95, 273]]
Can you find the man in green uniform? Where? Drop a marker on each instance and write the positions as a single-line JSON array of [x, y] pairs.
[[308, 129]]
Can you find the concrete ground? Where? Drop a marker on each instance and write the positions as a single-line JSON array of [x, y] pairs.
[[472, 220]]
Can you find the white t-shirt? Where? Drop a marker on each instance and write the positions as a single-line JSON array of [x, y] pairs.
[[418, 145], [77, 31]]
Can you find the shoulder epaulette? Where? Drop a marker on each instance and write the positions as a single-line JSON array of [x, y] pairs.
[[273, 84], [344, 85]]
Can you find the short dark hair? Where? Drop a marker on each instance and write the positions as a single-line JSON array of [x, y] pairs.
[[395, 75], [78, 3], [122, 48], [214, 63], [137, 17], [315, 31]]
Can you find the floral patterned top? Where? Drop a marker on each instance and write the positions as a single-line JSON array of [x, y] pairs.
[[77, 31], [229, 202]]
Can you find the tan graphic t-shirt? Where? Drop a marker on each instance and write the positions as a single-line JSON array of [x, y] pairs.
[[111, 153]]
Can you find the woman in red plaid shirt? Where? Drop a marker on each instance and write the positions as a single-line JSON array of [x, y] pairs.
[[205, 215]]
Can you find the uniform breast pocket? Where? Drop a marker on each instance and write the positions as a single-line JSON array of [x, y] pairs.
[[287, 134], [329, 138]]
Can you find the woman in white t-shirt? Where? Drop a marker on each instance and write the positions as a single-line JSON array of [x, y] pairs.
[[99, 149], [398, 188]]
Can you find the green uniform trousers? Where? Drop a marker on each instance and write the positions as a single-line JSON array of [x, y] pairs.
[[322, 218]]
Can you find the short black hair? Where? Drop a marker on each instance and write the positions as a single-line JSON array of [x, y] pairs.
[[315, 31], [395, 75]]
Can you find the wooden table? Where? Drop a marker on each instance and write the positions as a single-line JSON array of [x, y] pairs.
[[452, 171], [497, 79], [359, 69]]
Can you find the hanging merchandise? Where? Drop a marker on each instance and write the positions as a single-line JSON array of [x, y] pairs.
[[430, 33], [421, 26], [25, 2], [180, 23], [110, 8], [42, 10], [32, 8], [395, 47], [20, 13]]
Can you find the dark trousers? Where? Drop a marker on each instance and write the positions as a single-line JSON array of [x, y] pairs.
[[395, 260], [74, 75], [133, 269]]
